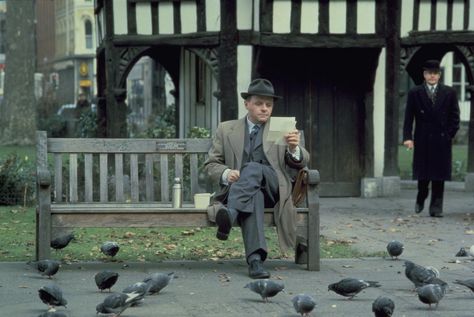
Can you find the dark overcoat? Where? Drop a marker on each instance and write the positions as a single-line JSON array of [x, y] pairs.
[[436, 125]]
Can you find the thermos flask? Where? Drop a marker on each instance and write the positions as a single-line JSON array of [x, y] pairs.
[[177, 198]]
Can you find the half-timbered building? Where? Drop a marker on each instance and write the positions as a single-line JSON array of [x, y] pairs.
[[337, 63]]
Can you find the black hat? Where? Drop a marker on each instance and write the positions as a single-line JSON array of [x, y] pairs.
[[260, 87], [431, 64]]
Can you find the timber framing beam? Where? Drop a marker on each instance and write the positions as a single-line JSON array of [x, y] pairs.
[[430, 37], [194, 39]]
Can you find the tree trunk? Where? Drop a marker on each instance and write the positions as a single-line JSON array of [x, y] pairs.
[[18, 114]]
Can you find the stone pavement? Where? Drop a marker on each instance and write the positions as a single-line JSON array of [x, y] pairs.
[[208, 288]]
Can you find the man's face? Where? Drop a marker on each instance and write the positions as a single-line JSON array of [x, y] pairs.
[[259, 108], [432, 76]]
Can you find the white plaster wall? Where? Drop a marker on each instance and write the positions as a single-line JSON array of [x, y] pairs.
[[458, 14], [425, 15], [143, 18], [407, 17], [442, 15], [213, 15], [281, 16], [188, 17], [244, 14], [337, 16], [309, 16], [120, 17], [165, 18], [365, 16], [379, 115], [256, 15], [244, 73], [471, 17]]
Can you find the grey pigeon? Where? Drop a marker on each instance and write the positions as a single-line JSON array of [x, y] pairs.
[[350, 287], [116, 303], [304, 304], [461, 252], [395, 248], [52, 295], [431, 293], [383, 307], [53, 314], [266, 288], [106, 279], [469, 283], [157, 281], [418, 274], [140, 288], [110, 248], [46, 267], [60, 242]]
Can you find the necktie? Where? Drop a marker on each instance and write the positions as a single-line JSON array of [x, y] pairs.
[[253, 135], [432, 93]]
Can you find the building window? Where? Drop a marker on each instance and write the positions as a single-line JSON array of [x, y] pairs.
[[460, 83], [88, 31]]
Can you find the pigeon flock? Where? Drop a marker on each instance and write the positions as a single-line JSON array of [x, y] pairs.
[[428, 286]]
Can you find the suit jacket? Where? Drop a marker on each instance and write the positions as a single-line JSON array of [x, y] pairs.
[[227, 152], [435, 127]]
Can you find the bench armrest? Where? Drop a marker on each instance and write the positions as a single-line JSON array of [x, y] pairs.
[[43, 177]]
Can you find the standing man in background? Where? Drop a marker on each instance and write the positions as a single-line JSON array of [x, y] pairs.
[[434, 109]]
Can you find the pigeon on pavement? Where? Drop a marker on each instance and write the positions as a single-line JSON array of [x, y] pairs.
[[53, 314], [266, 288], [395, 248], [116, 303], [431, 293], [60, 242], [350, 287], [140, 288], [471, 250], [461, 252], [106, 279], [52, 295], [46, 267], [304, 304], [418, 274], [383, 307], [157, 281], [110, 248], [469, 283]]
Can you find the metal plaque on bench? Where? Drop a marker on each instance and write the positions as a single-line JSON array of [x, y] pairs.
[[171, 146]]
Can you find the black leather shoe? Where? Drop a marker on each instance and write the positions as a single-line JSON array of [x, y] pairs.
[[419, 207], [438, 215], [224, 223], [256, 270]]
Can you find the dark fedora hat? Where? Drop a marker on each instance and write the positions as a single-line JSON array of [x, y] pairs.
[[260, 87], [431, 64]]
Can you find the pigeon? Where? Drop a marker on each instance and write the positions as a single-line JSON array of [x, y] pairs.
[[106, 279], [395, 248], [304, 304], [46, 267], [471, 251], [468, 283], [383, 307], [350, 287], [53, 314], [140, 288], [461, 252], [116, 303], [418, 274], [157, 281], [110, 248], [62, 241], [52, 295], [266, 288], [431, 293]]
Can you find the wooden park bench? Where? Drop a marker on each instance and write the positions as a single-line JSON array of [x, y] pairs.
[[126, 183]]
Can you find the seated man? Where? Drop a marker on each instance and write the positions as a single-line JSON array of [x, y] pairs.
[[255, 173]]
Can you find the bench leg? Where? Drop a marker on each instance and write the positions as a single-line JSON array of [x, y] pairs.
[[43, 228], [313, 239]]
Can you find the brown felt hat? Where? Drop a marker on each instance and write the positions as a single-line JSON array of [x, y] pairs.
[[260, 87]]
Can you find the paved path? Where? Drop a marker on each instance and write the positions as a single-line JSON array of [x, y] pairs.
[[208, 288]]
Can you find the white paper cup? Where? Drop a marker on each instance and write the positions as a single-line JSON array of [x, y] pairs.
[[201, 201]]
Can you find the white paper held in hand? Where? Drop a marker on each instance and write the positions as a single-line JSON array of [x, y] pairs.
[[279, 126]]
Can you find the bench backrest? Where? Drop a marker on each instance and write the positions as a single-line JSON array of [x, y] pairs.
[[147, 167]]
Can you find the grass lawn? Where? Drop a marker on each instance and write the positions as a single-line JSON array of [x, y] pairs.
[[17, 228], [21, 151], [405, 159]]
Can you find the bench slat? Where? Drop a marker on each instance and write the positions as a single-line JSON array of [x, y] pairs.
[[73, 197], [178, 167], [58, 177], [165, 196], [104, 189], [119, 177], [193, 163], [88, 177], [134, 177], [149, 183]]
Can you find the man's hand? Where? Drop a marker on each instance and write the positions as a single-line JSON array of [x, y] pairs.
[[233, 176], [409, 144], [292, 139]]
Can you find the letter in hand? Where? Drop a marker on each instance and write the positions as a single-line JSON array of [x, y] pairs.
[[292, 139]]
